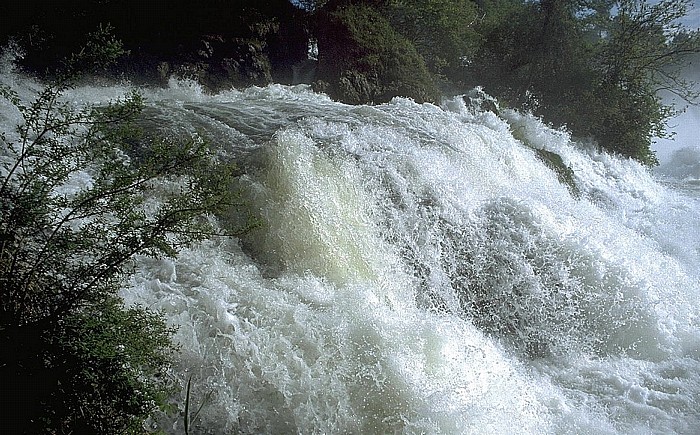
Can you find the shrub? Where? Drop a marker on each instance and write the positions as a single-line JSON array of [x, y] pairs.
[[77, 202], [443, 31], [589, 66], [366, 60]]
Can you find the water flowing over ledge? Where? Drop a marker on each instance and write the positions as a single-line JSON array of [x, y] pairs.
[[422, 269]]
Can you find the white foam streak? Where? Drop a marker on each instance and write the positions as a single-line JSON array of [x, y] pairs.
[[414, 261], [324, 358], [421, 270]]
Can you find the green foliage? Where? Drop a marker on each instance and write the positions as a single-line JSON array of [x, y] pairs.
[[443, 31], [82, 191], [366, 60], [595, 69], [645, 43], [534, 52], [643, 53], [593, 65], [108, 364]]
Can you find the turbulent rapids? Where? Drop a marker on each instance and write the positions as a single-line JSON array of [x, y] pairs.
[[424, 269]]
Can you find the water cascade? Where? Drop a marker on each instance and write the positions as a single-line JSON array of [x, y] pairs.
[[425, 269]]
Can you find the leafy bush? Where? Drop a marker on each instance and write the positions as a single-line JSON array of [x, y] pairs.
[[444, 31], [366, 60], [81, 193], [588, 66]]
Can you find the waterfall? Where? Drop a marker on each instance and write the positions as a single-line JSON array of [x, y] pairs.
[[425, 269]]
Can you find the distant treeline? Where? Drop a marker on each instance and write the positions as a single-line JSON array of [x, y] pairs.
[[595, 66]]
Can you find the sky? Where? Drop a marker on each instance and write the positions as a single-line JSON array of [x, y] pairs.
[[692, 19], [686, 125]]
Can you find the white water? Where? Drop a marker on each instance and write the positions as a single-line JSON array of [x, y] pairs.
[[421, 271]]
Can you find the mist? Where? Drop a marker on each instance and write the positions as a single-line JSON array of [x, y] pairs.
[[685, 126]]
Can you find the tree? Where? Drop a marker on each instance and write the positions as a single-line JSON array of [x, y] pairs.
[[443, 31], [644, 52], [595, 66], [646, 42], [82, 191], [364, 59]]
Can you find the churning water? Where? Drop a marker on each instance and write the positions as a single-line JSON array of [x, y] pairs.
[[422, 269]]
